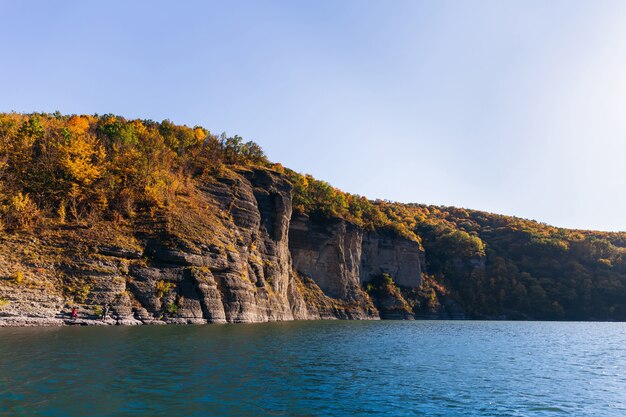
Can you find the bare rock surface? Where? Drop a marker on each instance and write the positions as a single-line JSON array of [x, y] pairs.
[[388, 253]]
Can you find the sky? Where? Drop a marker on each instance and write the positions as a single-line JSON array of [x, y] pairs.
[[512, 107]]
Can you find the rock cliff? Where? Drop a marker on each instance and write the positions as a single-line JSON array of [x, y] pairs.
[[329, 252], [236, 253], [340, 257], [387, 253]]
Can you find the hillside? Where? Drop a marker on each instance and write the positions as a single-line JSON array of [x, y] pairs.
[[168, 223]]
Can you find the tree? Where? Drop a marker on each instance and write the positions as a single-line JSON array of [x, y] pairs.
[[83, 158]]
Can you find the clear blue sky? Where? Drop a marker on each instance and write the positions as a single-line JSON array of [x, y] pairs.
[[515, 107]]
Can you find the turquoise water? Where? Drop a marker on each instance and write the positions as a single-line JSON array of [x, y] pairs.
[[389, 368]]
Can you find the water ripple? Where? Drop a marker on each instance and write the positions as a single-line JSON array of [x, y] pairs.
[[317, 369]]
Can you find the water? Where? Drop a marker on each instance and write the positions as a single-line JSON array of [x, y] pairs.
[[389, 368]]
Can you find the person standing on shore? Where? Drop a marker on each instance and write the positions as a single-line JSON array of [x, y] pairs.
[[74, 313], [105, 312]]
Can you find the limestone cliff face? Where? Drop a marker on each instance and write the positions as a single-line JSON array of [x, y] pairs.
[[339, 256], [386, 252], [329, 252], [242, 274], [225, 258], [235, 254]]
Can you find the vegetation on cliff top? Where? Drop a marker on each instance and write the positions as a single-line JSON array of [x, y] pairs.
[[83, 170]]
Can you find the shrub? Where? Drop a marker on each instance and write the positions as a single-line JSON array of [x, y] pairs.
[[171, 308], [162, 288], [78, 290], [22, 212], [18, 277], [381, 282]]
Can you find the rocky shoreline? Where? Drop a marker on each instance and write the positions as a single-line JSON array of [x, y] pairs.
[[55, 322], [21, 321]]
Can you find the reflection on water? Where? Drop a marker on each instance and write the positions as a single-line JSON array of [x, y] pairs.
[[317, 369]]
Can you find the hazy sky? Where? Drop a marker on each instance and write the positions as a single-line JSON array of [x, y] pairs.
[[514, 107]]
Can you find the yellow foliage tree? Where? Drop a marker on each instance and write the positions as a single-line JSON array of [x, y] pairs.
[[21, 212], [83, 158], [78, 124]]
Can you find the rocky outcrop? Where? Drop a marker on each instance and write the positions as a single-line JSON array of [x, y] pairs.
[[240, 273], [236, 254], [391, 304], [329, 252], [255, 279], [340, 257], [388, 253]]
